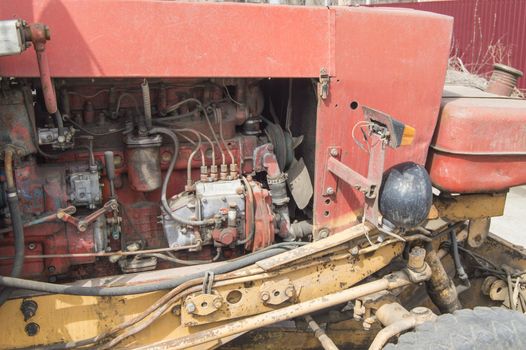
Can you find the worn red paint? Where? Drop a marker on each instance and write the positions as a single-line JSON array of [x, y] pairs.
[[374, 57]]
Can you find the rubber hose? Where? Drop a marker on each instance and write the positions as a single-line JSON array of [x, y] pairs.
[[60, 123], [456, 257], [16, 219], [169, 172], [247, 260]]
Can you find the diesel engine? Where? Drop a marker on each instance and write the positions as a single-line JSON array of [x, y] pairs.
[[130, 175]]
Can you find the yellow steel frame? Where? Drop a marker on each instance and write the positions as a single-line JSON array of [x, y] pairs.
[[328, 267]]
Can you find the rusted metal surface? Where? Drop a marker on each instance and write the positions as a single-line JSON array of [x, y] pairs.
[[441, 288], [389, 282], [39, 34], [15, 124], [482, 27], [313, 276], [396, 320], [417, 78], [80, 49], [496, 146], [82, 31], [470, 206], [503, 80]]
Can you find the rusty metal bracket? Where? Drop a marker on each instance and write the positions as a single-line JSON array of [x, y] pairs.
[[82, 224]]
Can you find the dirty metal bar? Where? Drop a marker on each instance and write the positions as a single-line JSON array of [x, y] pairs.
[[395, 280], [348, 175], [324, 339]]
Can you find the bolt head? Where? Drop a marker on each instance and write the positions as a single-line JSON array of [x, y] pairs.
[[265, 296], [217, 303], [323, 233], [190, 308], [289, 291], [329, 191], [334, 152], [354, 251]]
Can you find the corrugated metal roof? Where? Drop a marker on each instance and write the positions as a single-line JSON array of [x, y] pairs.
[[484, 31]]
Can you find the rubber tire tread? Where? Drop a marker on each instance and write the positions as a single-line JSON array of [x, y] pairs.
[[481, 328]]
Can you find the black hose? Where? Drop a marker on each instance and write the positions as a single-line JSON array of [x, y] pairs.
[[169, 172], [18, 232], [247, 260], [456, 257]]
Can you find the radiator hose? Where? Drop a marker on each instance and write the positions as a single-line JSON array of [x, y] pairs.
[[16, 219]]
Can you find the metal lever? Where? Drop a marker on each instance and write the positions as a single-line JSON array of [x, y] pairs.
[[110, 171]]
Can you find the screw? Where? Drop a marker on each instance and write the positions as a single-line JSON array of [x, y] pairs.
[[334, 152], [51, 269], [329, 191], [31, 246], [32, 329], [289, 291], [264, 296], [190, 307]]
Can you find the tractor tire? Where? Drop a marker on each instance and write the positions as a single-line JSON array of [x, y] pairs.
[[481, 328]]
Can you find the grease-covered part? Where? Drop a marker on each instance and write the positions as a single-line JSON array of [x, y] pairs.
[[406, 195]]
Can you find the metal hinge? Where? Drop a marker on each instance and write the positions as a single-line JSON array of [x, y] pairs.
[[323, 85]]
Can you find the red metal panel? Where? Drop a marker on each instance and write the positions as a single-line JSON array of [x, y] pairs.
[[480, 24], [385, 60], [382, 58], [166, 38]]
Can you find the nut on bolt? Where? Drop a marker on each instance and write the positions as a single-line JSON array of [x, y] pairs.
[[190, 307], [217, 303], [265, 296]]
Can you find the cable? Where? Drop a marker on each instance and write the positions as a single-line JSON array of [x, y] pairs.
[[219, 117], [88, 97], [214, 135], [161, 305], [169, 172], [460, 269], [135, 289], [89, 132], [194, 152], [176, 260], [123, 95]]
